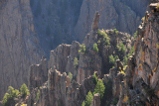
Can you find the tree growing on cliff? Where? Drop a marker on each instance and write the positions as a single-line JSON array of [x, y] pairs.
[[24, 91], [105, 36], [89, 98], [100, 88], [82, 48], [95, 47], [9, 96]]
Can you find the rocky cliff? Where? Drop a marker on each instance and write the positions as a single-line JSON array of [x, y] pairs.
[[82, 60], [141, 80], [19, 45], [61, 21], [121, 14], [135, 82]]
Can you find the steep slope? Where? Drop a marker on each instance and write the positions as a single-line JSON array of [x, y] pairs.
[[71, 90], [55, 20], [18, 43], [124, 15], [61, 21], [141, 81]]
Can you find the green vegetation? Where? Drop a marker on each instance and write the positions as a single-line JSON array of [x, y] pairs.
[[70, 75], [100, 88], [112, 59], [115, 101], [116, 31], [24, 91], [121, 47], [9, 96], [131, 52], [135, 34], [82, 48], [38, 95], [95, 47], [125, 60], [95, 78], [122, 72], [12, 93], [75, 62], [106, 38], [83, 103], [89, 98]]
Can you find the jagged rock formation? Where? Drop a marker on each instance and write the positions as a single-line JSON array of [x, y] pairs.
[[54, 21], [144, 68], [61, 91], [38, 74], [121, 14], [62, 58], [96, 100], [82, 61], [19, 45], [61, 21]]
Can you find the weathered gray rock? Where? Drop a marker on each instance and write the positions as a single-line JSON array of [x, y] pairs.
[[96, 100], [63, 58], [59, 57], [122, 14], [38, 74], [60, 91], [19, 44]]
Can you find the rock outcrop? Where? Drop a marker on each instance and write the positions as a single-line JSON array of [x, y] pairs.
[[61, 21], [59, 90], [121, 14], [38, 74], [142, 84]]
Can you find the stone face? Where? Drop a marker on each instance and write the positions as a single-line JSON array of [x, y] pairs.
[[19, 44], [59, 57], [61, 21], [38, 74], [63, 58], [60, 91], [123, 15], [96, 100], [141, 79]]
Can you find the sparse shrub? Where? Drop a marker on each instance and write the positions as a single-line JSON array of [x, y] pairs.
[[100, 88], [116, 31], [83, 103], [95, 47], [135, 34], [132, 50], [112, 59], [125, 59], [82, 48], [89, 98], [121, 47], [106, 38], [9, 96], [38, 95], [24, 91], [95, 77], [75, 62], [70, 75]]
